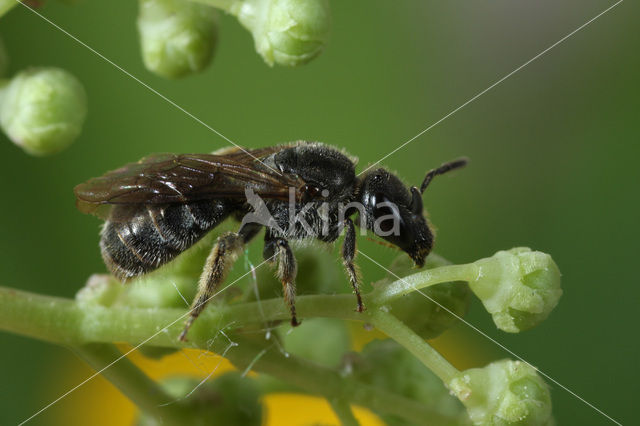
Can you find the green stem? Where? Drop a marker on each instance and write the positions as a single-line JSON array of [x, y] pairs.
[[42, 317], [134, 384], [402, 334], [64, 321], [343, 410], [6, 6], [67, 322], [411, 283]]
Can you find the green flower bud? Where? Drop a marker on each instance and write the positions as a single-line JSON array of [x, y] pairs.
[[159, 291], [42, 110], [178, 37], [518, 287], [385, 364], [4, 59], [322, 340], [286, 32], [426, 315], [228, 399], [100, 289], [105, 290], [504, 393], [165, 291]]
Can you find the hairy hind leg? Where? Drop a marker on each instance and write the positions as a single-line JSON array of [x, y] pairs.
[[278, 249], [219, 262], [348, 255]]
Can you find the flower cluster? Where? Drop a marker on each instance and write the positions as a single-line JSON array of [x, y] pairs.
[[43, 109], [178, 36]]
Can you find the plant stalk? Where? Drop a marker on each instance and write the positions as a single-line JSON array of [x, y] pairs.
[[415, 344], [6, 6], [134, 384], [66, 322], [420, 280], [344, 412]]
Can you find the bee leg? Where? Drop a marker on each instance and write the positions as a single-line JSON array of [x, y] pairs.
[[348, 254], [224, 253], [279, 249], [287, 270]]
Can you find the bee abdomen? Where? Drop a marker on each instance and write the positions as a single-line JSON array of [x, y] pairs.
[[141, 238]]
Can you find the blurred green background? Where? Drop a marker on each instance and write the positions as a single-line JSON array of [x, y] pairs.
[[554, 154]]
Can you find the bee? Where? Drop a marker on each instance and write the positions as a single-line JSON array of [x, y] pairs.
[[160, 206]]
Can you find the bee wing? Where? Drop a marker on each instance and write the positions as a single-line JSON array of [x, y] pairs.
[[182, 178], [242, 154]]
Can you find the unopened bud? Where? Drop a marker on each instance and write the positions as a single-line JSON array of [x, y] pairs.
[[161, 291], [178, 37], [100, 289], [504, 393], [518, 287], [42, 110], [286, 32]]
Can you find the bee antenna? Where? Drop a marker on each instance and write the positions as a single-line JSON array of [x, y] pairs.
[[446, 167]]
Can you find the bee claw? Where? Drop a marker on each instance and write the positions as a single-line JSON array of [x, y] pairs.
[[187, 326]]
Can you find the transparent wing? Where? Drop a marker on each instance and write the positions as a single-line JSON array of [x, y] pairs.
[[183, 178]]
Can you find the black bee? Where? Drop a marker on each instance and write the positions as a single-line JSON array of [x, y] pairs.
[[160, 206]]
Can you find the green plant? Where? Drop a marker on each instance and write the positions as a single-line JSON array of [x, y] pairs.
[[399, 387], [402, 379]]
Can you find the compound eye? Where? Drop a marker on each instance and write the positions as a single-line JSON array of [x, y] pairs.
[[383, 207], [379, 202], [311, 191]]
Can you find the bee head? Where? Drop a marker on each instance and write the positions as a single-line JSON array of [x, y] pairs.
[[395, 214]]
